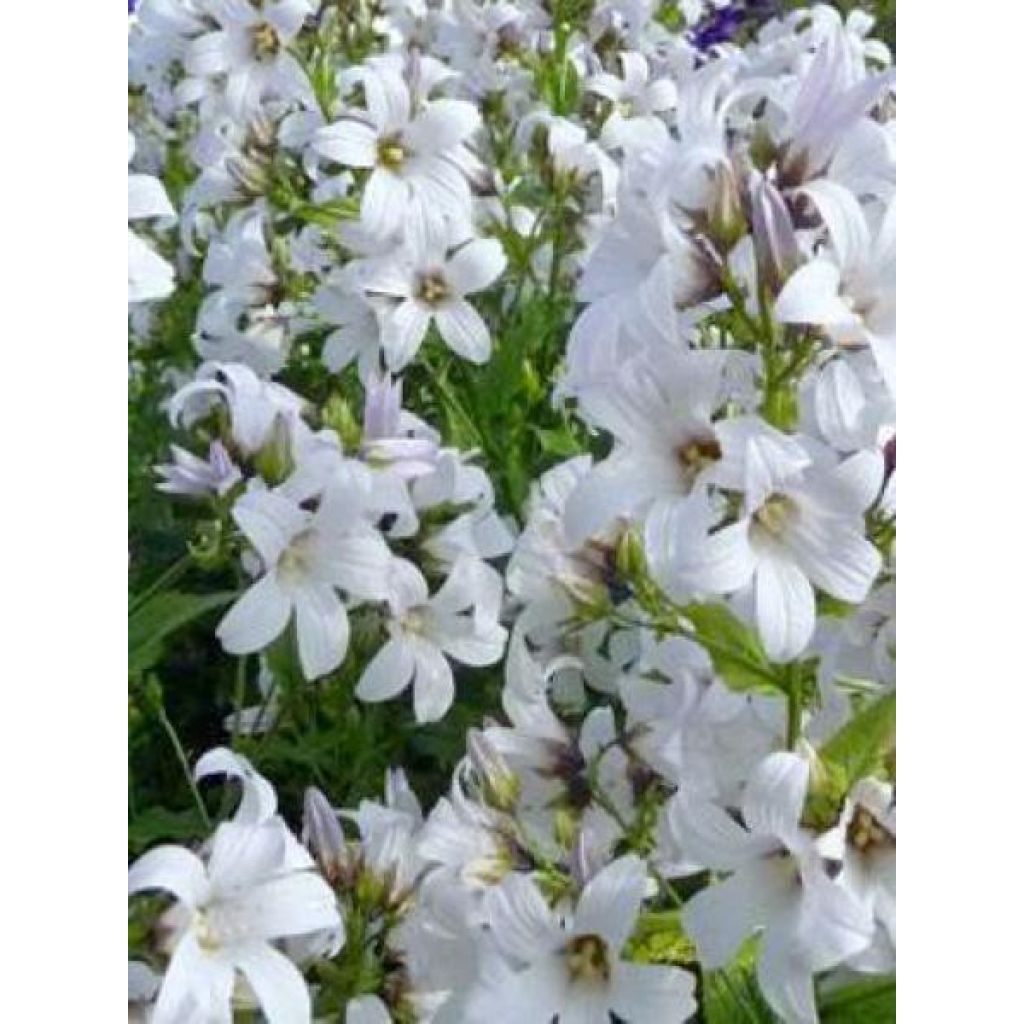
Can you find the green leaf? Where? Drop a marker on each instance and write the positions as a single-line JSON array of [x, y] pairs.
[[158, 824], [734, 648], [732, 996], [556, 442], [866, 1002], [860, 747], [161, 616]]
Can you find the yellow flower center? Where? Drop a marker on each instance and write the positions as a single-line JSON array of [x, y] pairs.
[[390, 153], [865, 832], [587, 958], [265, 41], [433, 289], [775, 514]]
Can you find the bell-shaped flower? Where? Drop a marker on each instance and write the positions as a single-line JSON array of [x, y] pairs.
[[459, 621], [231, 909], [428, 284], [774, 881], [547, 966], [307, 558], [415, 155]]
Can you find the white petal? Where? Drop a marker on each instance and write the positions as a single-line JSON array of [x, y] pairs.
[[442, 125], [269, 522], [835, 555], [259, 801], [388, 673], [464, 331], [433, 686], [811, 296], [195, 986], [773, 799], [256, 619], [245, 855], [785, 981], [652, 994], [476, 265], [150, 276], [298, 903], [367, 1010], [784, 607], [172, 869], [520, 919], [147, 197], [721, 916], [707, 835], [384, 205], [387, 99], [403, 332], [348, 142], [611, 901], [618, 486], [277, 983], [322, 626]]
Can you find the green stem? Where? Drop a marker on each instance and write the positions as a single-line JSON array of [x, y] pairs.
[[172, 574], [179, 751], [239, 698], [793, 709]]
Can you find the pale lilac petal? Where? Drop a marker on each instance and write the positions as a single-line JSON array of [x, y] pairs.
[[388, 673], [256, 619], [464, 331]]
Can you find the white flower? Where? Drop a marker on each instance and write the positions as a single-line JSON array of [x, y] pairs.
[[230, 910], [460, 620], [666, 443], [416, 154], [864, 840], [802, 526], [850, 288], [307, 558], [573, 969], [432, 285], [775, 881], [150, 276], [249, 53], [635, 103]]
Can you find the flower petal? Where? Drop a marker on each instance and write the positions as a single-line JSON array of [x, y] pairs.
[[256, 619], [611, 901], [464, 331]]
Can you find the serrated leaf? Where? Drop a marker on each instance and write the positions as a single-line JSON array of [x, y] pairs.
[[161, 616], [734, 648], [867, 1002], [860, 747]]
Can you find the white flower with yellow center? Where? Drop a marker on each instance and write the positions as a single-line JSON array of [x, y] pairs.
[[573, 969]]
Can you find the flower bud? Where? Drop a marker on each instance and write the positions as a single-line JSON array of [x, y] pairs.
[[274, 460], [500, 783], [775, 245], [726, 221], [321, 832]]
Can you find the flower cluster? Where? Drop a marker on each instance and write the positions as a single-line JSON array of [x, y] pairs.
[[671, 229]]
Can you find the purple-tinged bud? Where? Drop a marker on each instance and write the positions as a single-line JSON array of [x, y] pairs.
[[775, 244], [322, 834]]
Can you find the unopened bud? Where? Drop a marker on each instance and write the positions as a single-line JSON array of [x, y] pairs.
[[274, 460], [726, 222], [500, 784], [322, 834]]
